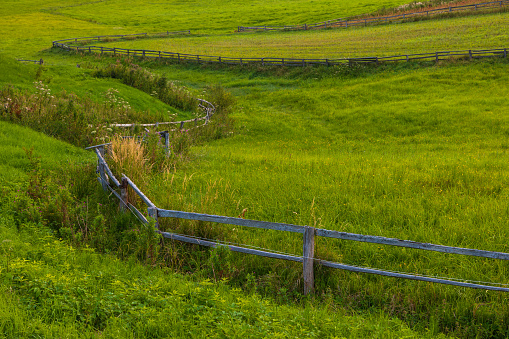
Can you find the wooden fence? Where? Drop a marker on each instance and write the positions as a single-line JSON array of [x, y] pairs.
[[120, 190], [121, 36], [345, 23], [206, 106], [298, 62], [40, 61]]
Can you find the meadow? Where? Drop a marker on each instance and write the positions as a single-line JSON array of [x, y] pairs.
[[484, 32], [413, 151], [50, 289]]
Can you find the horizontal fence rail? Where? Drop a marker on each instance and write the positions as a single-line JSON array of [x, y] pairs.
[[309, 234], [122, 36], [206, 106], [297, 62], [40, 61], [354, 22]]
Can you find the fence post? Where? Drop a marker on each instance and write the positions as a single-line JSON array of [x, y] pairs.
[[505, 53], [152, 212], [470, 54], [102, 174], [167, 141], [308, 258], [123, 194]]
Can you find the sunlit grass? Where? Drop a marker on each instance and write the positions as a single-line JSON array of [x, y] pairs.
[[218, 15], [479, 32]]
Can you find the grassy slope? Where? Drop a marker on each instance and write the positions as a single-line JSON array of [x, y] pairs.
[[54, 154], [51, 290], [217, 15], [415, 154], [377, 155], [483, 32]]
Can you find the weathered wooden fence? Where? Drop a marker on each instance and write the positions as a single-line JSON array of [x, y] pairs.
[[40, 61], [121, 36], [206, 106], [345, 23], [120, 190], [298, 62]]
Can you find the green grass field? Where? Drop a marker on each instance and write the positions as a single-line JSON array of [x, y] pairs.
[[386, 40], [410, 151]]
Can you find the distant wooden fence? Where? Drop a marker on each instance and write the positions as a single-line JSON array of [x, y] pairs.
[[182, 57], [206, 106], [120, 190], [345, 23], [120, 36]]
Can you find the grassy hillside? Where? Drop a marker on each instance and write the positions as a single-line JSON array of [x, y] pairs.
[[474, 32], [411, 151], [51, 289]]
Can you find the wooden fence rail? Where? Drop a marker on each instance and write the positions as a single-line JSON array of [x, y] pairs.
[[297, 62], [309, 233], [40, 61], [353, 22], [207, 107]]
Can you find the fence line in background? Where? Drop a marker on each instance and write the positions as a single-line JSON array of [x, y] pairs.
[[298, 62], [107, 179], [120, 36], [345, 23]]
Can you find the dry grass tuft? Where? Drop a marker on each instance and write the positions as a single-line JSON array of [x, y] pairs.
[[129, 157]]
